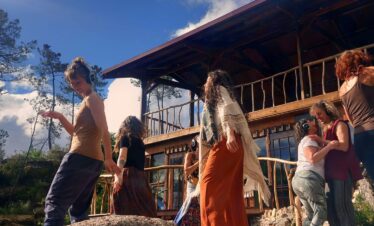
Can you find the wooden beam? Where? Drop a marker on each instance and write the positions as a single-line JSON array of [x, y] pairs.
[[143, 106], [339, 45], [300, 63], [192, 110], [293, 107], [173, 135]]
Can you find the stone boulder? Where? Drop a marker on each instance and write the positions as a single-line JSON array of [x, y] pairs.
[[118, 220]]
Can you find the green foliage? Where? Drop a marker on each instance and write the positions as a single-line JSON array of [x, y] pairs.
[[3, 136], [24, 184], [19, 207], [364, 213]]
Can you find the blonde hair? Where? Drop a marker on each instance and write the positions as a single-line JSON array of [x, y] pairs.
[[328, 108]]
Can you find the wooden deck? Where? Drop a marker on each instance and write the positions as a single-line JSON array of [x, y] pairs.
[[258, 120]]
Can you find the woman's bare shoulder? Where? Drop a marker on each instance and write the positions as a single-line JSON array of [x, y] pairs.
[[367, 76], [347, 86], [93, 98]]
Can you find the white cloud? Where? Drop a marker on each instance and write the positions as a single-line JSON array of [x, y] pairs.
[[13, 118], [2, 88], [216, 9], [123, 100]]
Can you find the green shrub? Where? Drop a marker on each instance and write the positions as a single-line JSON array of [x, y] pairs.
[[364, 213]]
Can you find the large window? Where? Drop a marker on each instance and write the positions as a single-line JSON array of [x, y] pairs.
[[283, 147], [158, 181], [177, 159]]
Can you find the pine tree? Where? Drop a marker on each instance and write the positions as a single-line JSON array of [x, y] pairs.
[[12, 53]]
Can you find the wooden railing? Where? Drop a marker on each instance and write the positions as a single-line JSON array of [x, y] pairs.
[[173, 118], [267, 92], [318, 78], [289, 170]]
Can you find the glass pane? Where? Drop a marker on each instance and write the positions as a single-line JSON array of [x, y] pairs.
[[178, 188], [159, 195], [293, 154], [283, 143], [158, 176], [177, 159], [292, 141], [261, 142]]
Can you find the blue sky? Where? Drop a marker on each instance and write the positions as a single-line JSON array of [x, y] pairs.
[[105, 33]]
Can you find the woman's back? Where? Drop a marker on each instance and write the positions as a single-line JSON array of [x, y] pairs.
[[357, 95], [135, 153]]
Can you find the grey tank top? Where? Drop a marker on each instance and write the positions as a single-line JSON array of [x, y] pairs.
[[359, 103]]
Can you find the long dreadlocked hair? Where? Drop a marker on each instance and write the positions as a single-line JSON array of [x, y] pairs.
[[215, 79]]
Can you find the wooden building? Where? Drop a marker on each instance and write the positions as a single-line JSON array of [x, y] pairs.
[[281, 56]]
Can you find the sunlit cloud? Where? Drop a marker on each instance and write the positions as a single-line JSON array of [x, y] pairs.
[[123, 100], [216, 8], [15, 111]]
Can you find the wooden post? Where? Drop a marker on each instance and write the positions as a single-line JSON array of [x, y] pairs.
[[168, 184], [297, 211], [192, 109], [289, 183], [275, 186], [143, 106], [300, 63], [268, 154]]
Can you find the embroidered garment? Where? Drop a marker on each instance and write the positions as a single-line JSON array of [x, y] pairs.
[[228, 114]]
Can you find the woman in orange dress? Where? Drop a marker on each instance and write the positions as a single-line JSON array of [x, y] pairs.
[[227, 157]]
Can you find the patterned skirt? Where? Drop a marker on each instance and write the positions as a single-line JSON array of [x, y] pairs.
[[189, 214], [134, 196]]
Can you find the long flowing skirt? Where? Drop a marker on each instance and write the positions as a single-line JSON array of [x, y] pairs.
[[221, 191], [134, 196], [189, 214]]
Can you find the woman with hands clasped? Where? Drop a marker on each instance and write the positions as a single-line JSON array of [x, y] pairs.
[[308, 182], [132, 194], [75, 179]]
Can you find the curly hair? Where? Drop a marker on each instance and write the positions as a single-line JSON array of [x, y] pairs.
[[300, 132], [328, 108], [78, 67], [215, 79], [130, 127], [350, 63]]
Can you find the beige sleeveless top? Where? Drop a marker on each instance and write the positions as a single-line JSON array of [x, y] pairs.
[[87, 136]]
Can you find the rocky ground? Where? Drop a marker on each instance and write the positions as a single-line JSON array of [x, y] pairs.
[[286, 217], [282, 217], [117, 220]]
